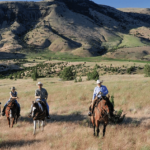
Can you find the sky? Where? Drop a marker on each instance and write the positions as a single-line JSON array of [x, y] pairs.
[[116, 3], [125, 3]]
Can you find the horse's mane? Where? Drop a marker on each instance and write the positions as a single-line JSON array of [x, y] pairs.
[[40, 115], [11, 104]]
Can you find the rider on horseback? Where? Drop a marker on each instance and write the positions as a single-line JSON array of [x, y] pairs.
[[100, 92], [41, 94], [13, 96]]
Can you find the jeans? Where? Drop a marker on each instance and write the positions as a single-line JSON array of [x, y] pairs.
[[45, 102]]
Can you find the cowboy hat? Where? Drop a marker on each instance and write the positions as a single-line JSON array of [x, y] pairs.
[[39, 83], [13, 88], [98, 82]]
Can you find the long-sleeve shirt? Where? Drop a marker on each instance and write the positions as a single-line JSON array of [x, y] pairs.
[[102, 89]]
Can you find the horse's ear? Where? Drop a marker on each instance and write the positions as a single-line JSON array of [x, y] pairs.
[[108, 96]]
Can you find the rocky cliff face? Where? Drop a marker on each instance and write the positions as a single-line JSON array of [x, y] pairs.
[[80, 27]]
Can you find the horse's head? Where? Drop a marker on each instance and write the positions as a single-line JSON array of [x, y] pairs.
[[34, 108], [105, 107]]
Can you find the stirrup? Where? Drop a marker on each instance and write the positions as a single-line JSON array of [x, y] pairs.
[[89, 114]]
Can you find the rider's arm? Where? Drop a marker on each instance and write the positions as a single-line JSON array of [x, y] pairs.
[[12, 96], [94, 94], [104, 91], [46, 95], [36, 95]]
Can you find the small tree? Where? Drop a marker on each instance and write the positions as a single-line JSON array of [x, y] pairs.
[[67, 74], [147, 70], [80, 79], [10, 76], [34, 75]]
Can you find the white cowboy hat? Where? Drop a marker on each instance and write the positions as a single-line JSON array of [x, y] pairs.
[[39, 83], [98, 81], [13, 88]]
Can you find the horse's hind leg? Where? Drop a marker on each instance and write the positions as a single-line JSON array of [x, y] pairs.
[[8, 119]]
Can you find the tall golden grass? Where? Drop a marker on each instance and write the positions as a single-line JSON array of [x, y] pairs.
[[68, 129]]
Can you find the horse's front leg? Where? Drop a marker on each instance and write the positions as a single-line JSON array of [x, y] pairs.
[[13, 120], [8, 119], [34, 127], [93, 123], [39, 123], [104, 129], [42, 124], [94, 130], [97, 127]]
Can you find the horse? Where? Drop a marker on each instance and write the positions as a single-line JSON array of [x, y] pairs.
[[38, 114], [100, 114], [11, 112]]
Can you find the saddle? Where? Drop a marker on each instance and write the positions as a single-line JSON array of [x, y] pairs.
[[43, 104]]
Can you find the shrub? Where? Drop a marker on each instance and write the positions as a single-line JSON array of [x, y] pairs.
[[80, 79], [129, 70], [96, 66], [75, 80], [34, 75], [67, 74], [112, 100], [147, 70], [93, 75]]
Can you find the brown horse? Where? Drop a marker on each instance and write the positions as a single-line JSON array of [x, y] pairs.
[[100, 114], [11, 112]]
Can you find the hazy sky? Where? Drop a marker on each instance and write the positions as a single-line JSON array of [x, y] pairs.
[[116, 3]]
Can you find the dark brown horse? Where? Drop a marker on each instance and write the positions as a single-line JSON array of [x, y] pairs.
[[11, 112], [100, 114]]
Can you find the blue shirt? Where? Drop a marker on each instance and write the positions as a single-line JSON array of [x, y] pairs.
[[102, 89]]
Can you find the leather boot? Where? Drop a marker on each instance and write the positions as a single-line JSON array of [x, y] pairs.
[[47, 115], [3, 111], [18, 111]]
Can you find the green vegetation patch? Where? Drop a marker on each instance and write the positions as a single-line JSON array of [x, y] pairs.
[[131, 41]]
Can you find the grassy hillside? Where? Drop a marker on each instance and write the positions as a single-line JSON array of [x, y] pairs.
[[68, 128], [81, 28]]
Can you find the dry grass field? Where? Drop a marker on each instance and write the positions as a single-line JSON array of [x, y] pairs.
[[68, 128]]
